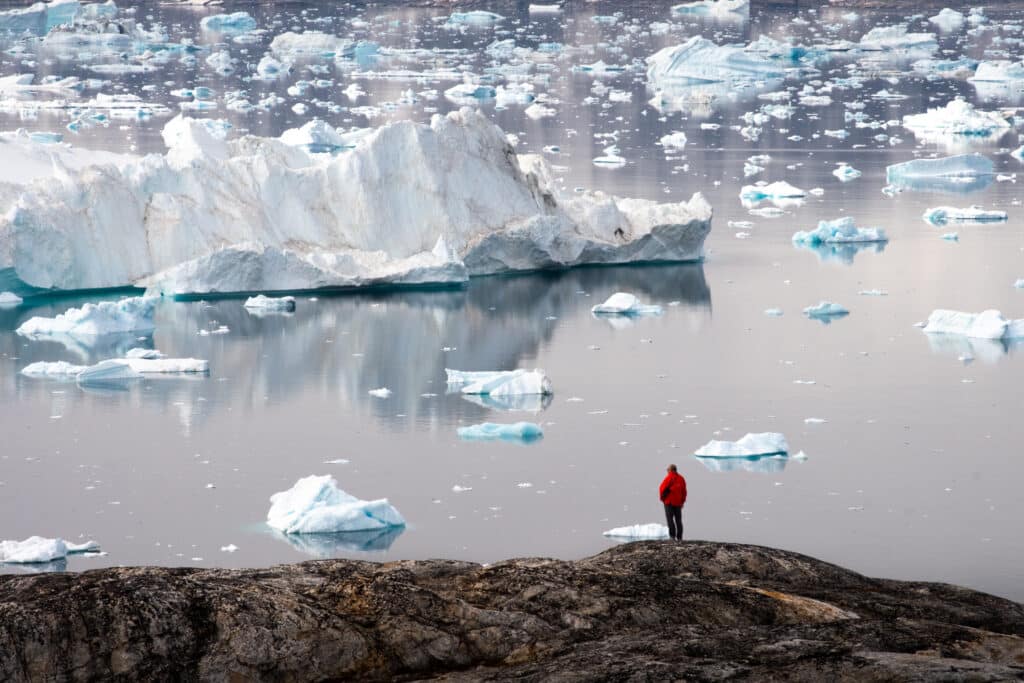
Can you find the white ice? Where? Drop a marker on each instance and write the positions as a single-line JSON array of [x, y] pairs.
[[639, 532], [948, 20], [988, 324], [941, 215], [9, 299], [825, 309], [838, 231], [269, 303], [500, 383], [133, 314], [623, 303], [316, 505], [961, 166], [38, 549], [763, 443], [958, 118]]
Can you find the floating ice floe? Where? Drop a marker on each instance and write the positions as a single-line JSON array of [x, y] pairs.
[[846, 173], [127, 315], [941, 215], [825, 310], [9, 300], [755, 444], [998, 71], [700, 61], [525, 432], [544, 9], [474, 18], [38, 18], [623, 303], [261, 302], [962, 67], [382, 392], [499, 383], [36, 549], [760, 464], [960, 173], [315, 505], [948, 20], [137, 364], [674, 141], [960, 119], [107, 372], [410, 204], [290, 46], [236, 22], [639, 532], [779, 193], [988, 324], [897, 39], [838, 231]]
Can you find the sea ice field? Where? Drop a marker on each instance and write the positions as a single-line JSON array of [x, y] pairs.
[[393, 267]]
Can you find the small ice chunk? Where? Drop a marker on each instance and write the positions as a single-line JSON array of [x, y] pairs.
[[846, 173], [777, 190], [948, 20], [525, 432], [773, 312], [623, 303], [9, 300], [383, 392], [763, 443], [988, 324], [236, 22], [127, 315], [838, 231], [474, 18], [825, 309], [674, 141], [500, 383], [229, 548], [941, 215], [638, 532], [261, 302], [38, 549], [316, 505]]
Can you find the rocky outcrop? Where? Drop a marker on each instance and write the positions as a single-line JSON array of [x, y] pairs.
[[645, 611]]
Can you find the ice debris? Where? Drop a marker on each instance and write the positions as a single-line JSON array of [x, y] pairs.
[[623, 303], [410, 204], [37, 549], [315, 505], [988, 324], [639, 532], [127, 315], [762, 443], [941, 215], [825, 310], [838, 231], [499, 383], [525, 432]]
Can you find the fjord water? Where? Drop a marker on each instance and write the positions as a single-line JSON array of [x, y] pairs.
[[915, 473]]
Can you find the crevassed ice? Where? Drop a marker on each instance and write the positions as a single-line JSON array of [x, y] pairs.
[[410, 204], [760, 443], [315, 505]]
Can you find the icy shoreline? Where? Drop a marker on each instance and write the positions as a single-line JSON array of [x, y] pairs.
[[410, 204]]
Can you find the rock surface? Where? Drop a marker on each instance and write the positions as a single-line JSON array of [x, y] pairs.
[[645, 611]]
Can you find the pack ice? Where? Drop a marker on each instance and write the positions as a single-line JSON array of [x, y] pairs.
[[988, 324], [762, 443], [525, 432], [623, 303], [315, 505], [38, 549], [409, 204], [639, 532]]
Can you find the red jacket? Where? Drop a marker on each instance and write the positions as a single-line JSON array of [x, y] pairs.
[[673, 490]]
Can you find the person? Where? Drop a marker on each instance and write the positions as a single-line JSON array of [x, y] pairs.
[[673, 494]]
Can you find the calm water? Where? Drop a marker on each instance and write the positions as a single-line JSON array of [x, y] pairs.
[[915, 474]]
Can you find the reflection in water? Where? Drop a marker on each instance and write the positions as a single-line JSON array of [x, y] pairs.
[[332, 545], [970, 348], [843, 253], [764, 464], [945, 185], [340, 347]]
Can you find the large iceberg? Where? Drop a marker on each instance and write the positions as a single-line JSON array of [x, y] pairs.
[[961, 173], [411, 203], [712, 7], [897, 39], [838, 231], [623, 303], [524, 432], [133, 314], [700, 61], [988, 324], [639, 532], [236, 22], [998, 71], [315, 505], [958, 118], [137, 366], [39, 17], [38, 549], [499, 383], [762, 443]]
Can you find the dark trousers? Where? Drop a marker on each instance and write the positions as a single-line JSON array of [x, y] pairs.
[[674, 515]]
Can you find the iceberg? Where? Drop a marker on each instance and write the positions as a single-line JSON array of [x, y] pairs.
[[639, 532], [127, 315], [9, 300], [289, 46], [948, 20], [779, 193], [474, 18], [712, 7], [524, 432], [757, 444], [825, 310], [499, 383], [998, 71], [136, 362], [838, 231], [320, 137], [760, 464], [846, 173], [700, 61], [236, 22], [39, 17], [958, 118], [36, 549], [315, 505], [948, 68], [961, 173], [267, 303], [674, 141], [988, 324], [409, 204], [59, 369], [941, 215], [897, 39], [623, 303], [107, 372]]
